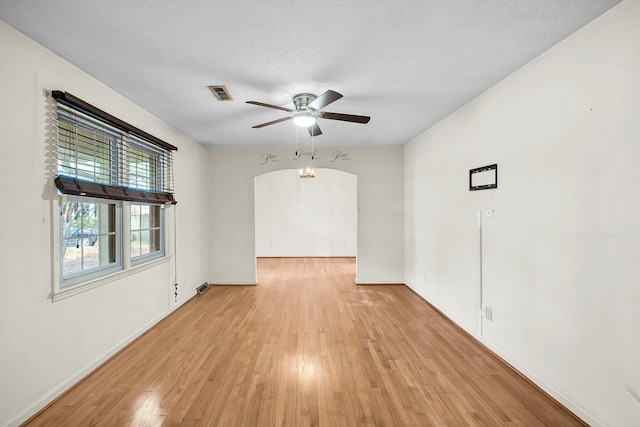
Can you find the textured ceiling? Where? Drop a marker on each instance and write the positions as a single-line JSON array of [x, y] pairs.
[[405, 63]]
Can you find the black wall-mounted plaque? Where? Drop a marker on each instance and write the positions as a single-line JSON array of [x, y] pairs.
[[483, 178]]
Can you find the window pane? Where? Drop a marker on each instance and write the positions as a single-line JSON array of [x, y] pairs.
[[155, 216], [144, 216], [111, 244], [90, 257], [111, 223], [135, 217], [143, 168], [135, 243], [88, 237], [146, 232], [144, 242], [84, 152], [154, 244], [72, 263]]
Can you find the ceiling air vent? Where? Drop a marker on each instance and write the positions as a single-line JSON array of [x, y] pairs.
[[221, 93]]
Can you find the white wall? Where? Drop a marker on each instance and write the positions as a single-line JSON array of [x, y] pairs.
[[311, 217], [47, 346], [561, 257], [380, 220]]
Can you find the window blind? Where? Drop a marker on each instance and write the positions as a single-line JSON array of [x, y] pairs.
[[98, 158]]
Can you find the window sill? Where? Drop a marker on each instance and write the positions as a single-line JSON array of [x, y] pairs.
[[62, 294]]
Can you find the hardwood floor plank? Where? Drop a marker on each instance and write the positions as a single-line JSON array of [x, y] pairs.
[[306, 347]]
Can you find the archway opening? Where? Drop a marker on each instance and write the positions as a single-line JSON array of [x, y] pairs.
[[312, 217]]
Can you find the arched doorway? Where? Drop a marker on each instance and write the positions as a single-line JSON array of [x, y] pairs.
[[312, 217]]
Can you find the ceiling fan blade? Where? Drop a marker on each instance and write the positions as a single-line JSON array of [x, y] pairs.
[[314, 130], [325, 99], [273, 122], [262, 104], [344, 117]]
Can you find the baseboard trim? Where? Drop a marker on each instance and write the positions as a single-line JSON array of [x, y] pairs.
[[233, 283], [44, 402], [305, 256], [380, 283], [571, 406], [568, 403]]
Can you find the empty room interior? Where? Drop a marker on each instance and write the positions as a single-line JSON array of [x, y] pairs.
[[320, 213]]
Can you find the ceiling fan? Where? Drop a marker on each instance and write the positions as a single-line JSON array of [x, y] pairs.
[[307, 111]]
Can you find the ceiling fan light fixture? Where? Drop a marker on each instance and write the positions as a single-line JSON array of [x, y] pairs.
[[304, 120]]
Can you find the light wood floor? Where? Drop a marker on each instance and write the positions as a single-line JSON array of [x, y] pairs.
[[306, 347]]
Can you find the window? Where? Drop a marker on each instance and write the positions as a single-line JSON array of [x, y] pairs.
[[146, 232], [114, 177], [101, 156], [89, 244]]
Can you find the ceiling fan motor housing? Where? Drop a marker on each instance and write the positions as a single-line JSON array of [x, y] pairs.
[[302, 100]]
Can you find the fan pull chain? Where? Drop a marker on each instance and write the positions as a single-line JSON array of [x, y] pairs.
[[312, 158], [296, 141]]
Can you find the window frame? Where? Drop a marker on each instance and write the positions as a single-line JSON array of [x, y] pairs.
[[148, 182], [88, 275], [127, 268]]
